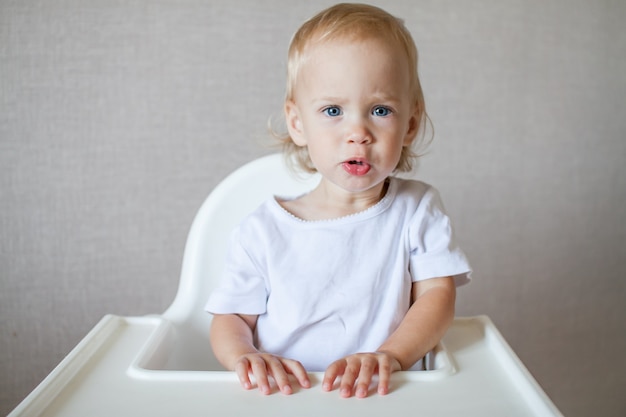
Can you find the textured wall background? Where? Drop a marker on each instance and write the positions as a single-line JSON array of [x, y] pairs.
[[118, 117]]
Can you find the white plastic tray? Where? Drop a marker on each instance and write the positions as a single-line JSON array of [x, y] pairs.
[[120, 369]]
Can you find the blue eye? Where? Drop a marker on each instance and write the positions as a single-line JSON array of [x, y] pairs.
[[332, 111], [381, 111]]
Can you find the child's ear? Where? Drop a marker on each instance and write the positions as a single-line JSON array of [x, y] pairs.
[[413, 126], [294, 123]]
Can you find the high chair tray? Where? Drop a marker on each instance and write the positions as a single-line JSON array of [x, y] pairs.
[[111, 373]]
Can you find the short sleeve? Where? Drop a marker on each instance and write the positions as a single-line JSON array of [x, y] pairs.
[[242, 289], [433, 250]]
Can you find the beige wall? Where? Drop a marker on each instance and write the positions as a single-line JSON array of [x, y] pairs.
[[118, 117]]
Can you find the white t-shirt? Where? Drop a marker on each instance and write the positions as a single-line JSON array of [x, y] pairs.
[[326, 289]]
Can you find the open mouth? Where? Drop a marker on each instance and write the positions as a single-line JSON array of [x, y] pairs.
[[356, 167]]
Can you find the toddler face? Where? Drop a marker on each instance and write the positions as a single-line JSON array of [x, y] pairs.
[[353, 109]]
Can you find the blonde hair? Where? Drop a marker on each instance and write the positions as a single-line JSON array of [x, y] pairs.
[[353, 22]]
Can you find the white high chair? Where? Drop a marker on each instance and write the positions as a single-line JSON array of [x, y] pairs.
[[162, 365]]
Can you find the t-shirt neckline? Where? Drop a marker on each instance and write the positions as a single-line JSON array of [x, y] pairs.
[[369, 212]]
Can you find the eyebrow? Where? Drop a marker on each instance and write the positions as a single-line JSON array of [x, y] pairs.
[[376, 98], [330, 99]]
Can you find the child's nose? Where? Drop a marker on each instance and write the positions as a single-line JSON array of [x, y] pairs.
[[359, 134]]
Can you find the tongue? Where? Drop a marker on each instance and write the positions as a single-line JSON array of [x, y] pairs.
[[356, 168]]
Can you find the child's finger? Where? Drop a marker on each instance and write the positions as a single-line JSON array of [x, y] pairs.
[[278, 372], [241, 369], [384, 374], [368, 368], [386, 366], [296, 369], [259, 370], [332, 372], [348, 379]]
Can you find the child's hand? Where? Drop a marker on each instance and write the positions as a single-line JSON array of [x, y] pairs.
[[360, 368], [263, 365]]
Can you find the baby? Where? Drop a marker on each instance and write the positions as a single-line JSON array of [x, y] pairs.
[[357, 277]]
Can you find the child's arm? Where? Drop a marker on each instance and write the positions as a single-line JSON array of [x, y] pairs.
[[421, 329], [232, 342]]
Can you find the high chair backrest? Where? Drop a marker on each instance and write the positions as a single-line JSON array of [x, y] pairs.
[[236, 196]]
